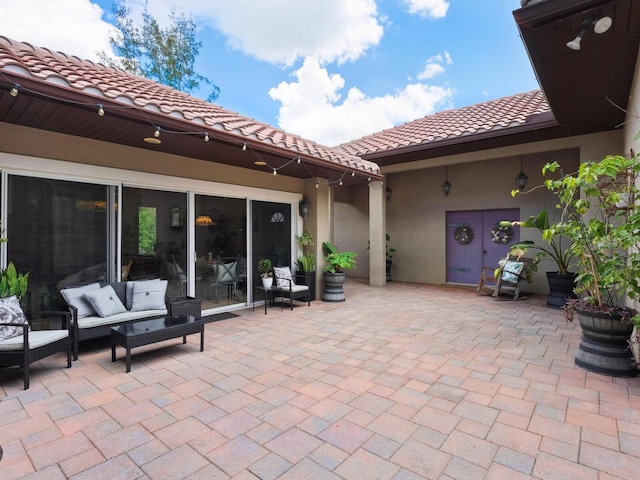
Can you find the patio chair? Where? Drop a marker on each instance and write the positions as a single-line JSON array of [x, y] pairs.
[[509, 278], [288, 288], [30, 346], [225, 274]]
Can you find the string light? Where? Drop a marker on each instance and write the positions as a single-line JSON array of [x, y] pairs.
[[155, 139]]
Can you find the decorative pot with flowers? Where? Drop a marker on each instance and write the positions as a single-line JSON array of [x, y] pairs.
[[600, 215]]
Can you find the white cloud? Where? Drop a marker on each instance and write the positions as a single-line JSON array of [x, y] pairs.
[[311, 108], [78, 28], [428, 8], [281, 32], [434, 66]]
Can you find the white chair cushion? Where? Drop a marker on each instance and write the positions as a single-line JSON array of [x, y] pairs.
[[511, 270], [37, 339], [283, 275], [295, 288]]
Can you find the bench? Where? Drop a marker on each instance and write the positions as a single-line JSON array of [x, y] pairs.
[[95, 309]]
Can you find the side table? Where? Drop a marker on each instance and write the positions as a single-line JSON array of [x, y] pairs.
[[268, 296], [185, 306]]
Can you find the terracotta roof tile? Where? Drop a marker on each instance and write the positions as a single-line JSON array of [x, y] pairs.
[[117, 85], [494, 115]]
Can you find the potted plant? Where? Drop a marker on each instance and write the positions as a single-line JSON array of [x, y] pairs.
[[561, 281], [266, 274], [601, 217], [306, 273], [13, 283], [334, 272], [305, 240], [389, 251]]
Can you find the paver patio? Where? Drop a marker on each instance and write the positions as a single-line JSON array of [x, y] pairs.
[[407, 382]]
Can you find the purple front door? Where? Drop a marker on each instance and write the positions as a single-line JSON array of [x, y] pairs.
[[470, 243]]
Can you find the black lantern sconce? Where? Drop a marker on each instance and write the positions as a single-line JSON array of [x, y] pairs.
[[446, 185], [388, 192], [521, 179], [305, 207]]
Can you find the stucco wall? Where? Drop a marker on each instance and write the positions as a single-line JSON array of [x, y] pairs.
[[415, 215]]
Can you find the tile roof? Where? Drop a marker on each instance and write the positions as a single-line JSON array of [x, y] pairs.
[[97, 80], [460, 124]]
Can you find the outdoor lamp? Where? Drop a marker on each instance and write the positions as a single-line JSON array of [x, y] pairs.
[[600, 25], [446, 185], [521, 179], [305, 207]]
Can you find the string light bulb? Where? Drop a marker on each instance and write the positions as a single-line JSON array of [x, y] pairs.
[[298, 161], [275, 172], [340, 183], [14, 90], [100, 110], [206, 137], [157, 132], [317, 184], [353, 173], [244, 147]]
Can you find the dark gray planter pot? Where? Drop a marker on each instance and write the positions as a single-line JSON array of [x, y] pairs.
[[561, 287], [333, 287], [308, 279], [389, 262], [603, 347]]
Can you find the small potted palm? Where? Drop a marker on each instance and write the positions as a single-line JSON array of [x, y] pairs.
[[334, 272], [266, 274]]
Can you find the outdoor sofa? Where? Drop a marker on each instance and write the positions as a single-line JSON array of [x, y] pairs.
[[97, 307]]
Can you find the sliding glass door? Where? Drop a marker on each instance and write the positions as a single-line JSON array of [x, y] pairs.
[[221, 250], [271, 234]]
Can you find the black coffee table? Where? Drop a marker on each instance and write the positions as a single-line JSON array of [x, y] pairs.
[[146, 332]]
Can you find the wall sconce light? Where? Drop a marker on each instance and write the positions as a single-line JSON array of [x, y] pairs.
[[521, 179], [446, 185], [600, 25], [388, 192], [304, 207]]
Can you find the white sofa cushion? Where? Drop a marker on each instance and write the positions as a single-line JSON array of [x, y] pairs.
[[11, 312], [149, 295], [105, 301], [37, 339], [95, 321], [75, 298]]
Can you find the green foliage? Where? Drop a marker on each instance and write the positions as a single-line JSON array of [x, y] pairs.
[[264, 267], [166, 55], [601, 217], [305, 240], [146, 230], [389, 251], [307, 262], [555, 251], [337, 261], [12, 282]]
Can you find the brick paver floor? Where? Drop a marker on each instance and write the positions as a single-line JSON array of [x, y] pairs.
[[406, 382]]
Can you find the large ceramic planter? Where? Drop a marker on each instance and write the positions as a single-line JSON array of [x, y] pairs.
[[604, 345], [333, 287], [561, 287], [308, 279]]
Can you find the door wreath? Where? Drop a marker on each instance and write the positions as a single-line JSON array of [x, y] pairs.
[[501, 234], [463, 234]]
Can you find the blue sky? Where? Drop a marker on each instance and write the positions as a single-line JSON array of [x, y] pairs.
[[328, 70]]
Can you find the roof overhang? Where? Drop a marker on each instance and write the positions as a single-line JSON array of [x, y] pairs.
[[586, 88], [50, 106]]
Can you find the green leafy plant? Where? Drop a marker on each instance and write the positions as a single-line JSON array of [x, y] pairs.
[[389, 251], [601, 216], [554, 251], [337, 262], [264, 267], [12, 282], [306, 262], [305, 240]]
